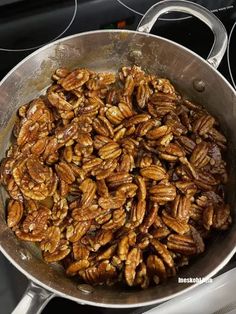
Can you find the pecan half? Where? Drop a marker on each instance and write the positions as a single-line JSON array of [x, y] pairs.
[[14, 213]]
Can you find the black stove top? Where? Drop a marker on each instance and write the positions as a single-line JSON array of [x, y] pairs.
[[26, 24]]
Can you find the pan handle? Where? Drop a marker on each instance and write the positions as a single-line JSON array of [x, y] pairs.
[[220, 35], [34, 300]]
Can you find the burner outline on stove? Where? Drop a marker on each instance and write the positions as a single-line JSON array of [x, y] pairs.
[[172, 19], [55, 38], [228, 55]]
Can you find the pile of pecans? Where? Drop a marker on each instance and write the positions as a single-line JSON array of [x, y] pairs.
[[115, 175]]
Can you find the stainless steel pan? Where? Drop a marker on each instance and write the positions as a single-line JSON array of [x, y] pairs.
[[109, 50]]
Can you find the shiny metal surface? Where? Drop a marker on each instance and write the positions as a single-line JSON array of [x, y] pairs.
[[220, 35], [34, 300], [109, 50]]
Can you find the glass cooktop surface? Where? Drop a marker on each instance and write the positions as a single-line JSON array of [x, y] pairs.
[[26, 25]]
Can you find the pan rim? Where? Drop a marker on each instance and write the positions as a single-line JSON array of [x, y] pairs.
[[58, 41], [57, 293]]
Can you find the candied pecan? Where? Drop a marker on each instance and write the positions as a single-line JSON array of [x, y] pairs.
[[110, 150], [14, 213], [108, 253], [183, 244], [66, 133], [187, 188], [209, 197], [141, 278], [191, 106], [158, 132], [59, 254], [101, 238], [143, 241], [102, 188], [128, 189], [221, 216], [28, 236], [68, 154], [36, 221], [103, 218], [145, 160], [142, 191], [104, 169], [103, 126], [164, 103], [60, 208], [126, 163], [46, 184], [205, 180], [160, 232], [129, 85], [114, 115], [185, 120], [6, 169], [76, 266], [164, 86], [88, 187], [60, 73], [112, 202], [189, 168], [143, 94], [126, 109], [51, 239], [75, 79], [65, 172], [91, 164], [31, 205], [162, 192], [218, 137], [77, 230], [137, 213], [173, 121], [117, 220], [119, 134], [199, 157], [100, 80], [57, 100], [132, 261], [123, 248], [196, 212], [207, 217], [178, 226], [104, 273], [138, 118], [170, 152], [64, 188], [156, 267], [80, 252], [39, 146], [203, 125], [163, 252], [150, 218], [87, 213], [143, 128], [153, 172], [186, 143], [181, 207], [116, 179]]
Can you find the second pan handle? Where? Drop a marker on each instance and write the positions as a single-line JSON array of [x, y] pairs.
[[34, 300], [220, 35]]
